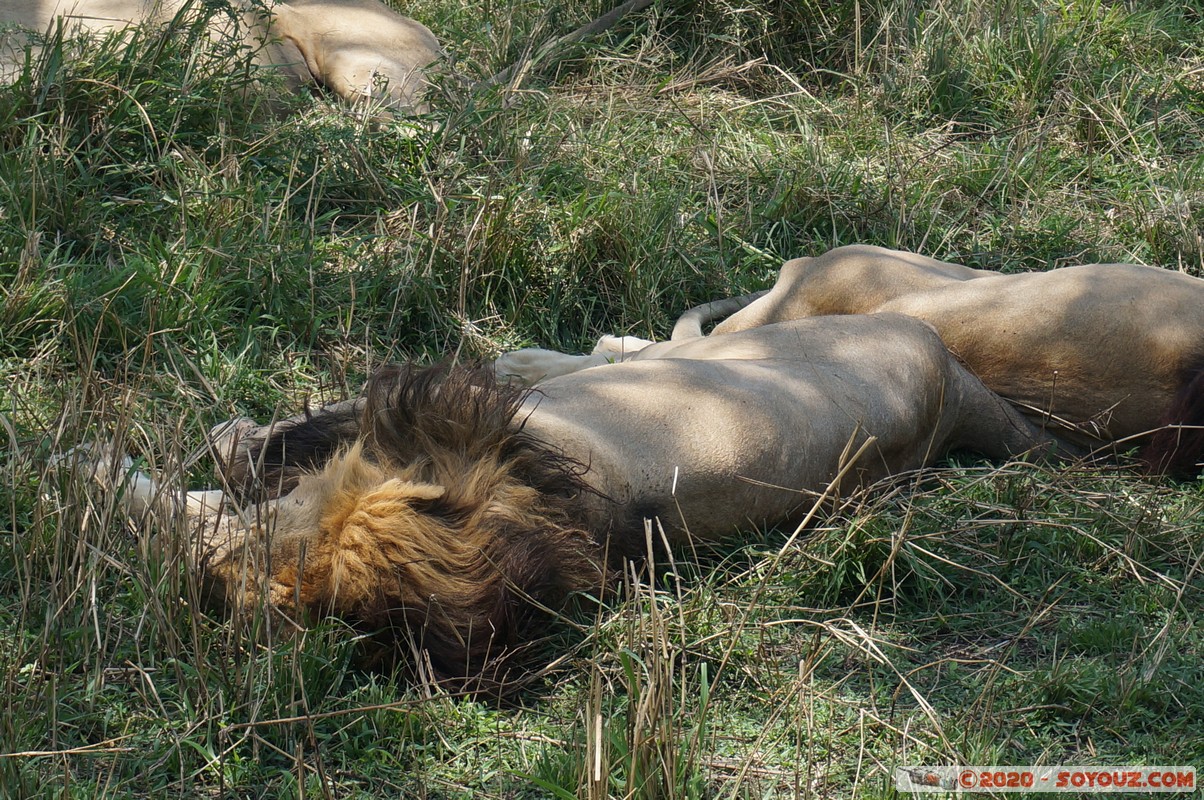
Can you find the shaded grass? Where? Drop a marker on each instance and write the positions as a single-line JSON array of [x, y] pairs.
[[173, 253]]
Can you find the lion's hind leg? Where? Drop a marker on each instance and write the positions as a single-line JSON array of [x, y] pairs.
[[1177, 446], [532, 365]]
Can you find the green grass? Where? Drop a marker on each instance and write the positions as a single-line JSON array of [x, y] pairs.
[[174, 252]]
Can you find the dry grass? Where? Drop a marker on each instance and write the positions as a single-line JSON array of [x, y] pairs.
[[172, 256]]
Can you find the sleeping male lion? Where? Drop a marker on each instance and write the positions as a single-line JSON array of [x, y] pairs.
[[1098, 353], [451, 506], [359, 49]]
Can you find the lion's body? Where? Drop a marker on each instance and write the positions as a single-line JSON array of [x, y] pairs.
[[358, 49], [1100, 352], [720, 433], [462, 496]]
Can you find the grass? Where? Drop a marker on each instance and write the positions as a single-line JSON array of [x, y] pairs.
[[174, 252]]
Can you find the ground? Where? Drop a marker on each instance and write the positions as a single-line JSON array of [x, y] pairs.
[[174, 252]]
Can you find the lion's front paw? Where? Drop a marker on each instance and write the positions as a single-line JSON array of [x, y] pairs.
[[93, 461]]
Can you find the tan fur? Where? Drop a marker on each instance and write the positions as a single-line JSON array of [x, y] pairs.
[[1095, 351], [359, 49], [462, 505]]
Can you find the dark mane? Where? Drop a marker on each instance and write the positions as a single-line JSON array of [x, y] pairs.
[[455, 427], [411, 414], [260, 463], [443, 522], [407, 413]]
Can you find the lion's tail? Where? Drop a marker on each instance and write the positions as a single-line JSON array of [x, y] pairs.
[[689, 325]]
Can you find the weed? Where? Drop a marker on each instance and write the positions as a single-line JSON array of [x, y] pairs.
[[174, 253]]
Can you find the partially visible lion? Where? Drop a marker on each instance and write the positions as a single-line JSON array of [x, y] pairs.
[[361, 50], [1098, 353], [452, 507]]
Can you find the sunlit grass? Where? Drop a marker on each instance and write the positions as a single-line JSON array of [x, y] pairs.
[[174, 253]]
